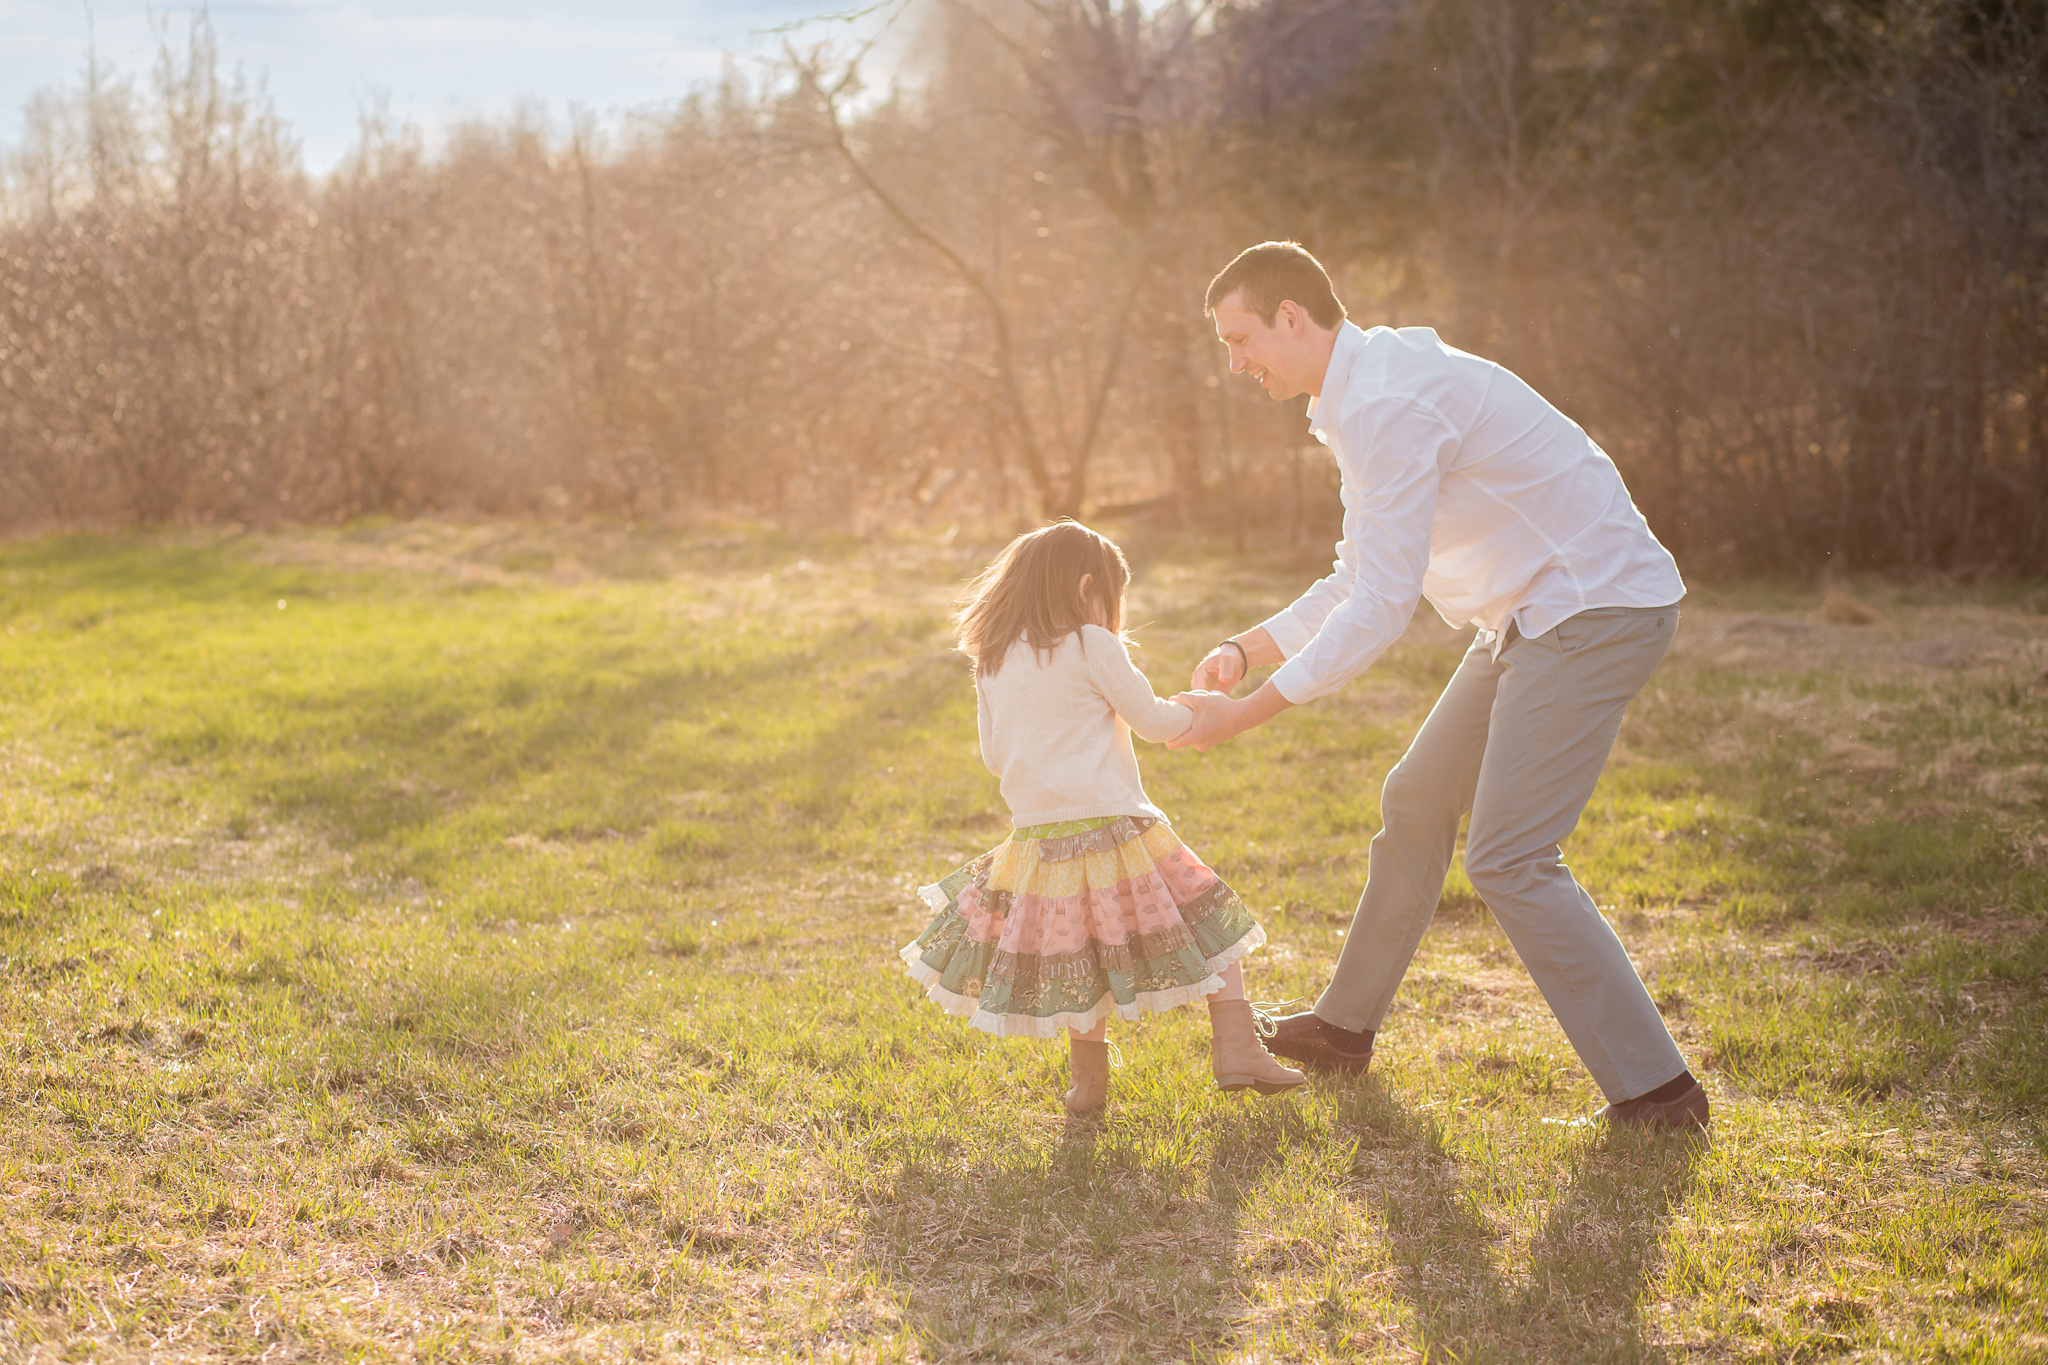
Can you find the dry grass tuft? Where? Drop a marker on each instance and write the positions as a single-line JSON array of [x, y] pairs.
[[1844, 610]]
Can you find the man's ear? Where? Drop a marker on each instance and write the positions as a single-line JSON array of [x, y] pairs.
[[1290, 316]]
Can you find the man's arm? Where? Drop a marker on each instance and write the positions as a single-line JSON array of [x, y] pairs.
[[1401, 453], [1218, 717], [1395, 453]]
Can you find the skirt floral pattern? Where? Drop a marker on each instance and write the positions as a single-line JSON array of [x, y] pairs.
[[1061, 925]]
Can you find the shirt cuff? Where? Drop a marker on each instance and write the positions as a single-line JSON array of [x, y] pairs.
[[1288, 632], [1294, 682]]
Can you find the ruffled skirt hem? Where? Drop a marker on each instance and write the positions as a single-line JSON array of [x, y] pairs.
[[1060, 930], [969, 1007]]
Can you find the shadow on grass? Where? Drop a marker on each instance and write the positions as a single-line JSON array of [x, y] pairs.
[[1090, 1251], [1599, 1250]]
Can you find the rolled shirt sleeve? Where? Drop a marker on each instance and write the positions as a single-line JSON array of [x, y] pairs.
[[1394, 452]]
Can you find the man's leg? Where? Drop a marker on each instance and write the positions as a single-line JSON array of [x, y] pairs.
[[1425, 796], [1559, 704]]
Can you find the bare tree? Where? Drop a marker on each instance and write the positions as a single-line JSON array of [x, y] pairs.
[[1787, 268]]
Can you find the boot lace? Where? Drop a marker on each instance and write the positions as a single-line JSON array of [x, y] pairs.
[[1263, 1022]]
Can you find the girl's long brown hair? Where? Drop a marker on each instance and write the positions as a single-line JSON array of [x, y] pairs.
[[1033, 589]]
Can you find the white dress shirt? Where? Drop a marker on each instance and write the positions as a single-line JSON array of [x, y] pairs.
[[1462, 484]]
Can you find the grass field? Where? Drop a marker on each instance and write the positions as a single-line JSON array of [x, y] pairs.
[[468, 943]]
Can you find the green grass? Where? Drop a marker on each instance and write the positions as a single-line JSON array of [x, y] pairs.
[[488, 953]]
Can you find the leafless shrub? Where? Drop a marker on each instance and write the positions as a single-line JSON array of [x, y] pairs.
[[1793, 280]]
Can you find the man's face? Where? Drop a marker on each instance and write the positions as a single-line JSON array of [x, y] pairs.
[[1278, 354]]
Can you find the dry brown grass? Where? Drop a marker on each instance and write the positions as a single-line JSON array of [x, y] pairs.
[[1842, 609]]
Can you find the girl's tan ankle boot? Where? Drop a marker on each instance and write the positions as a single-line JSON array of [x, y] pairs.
[[1088, 1064], [1241, 1061]]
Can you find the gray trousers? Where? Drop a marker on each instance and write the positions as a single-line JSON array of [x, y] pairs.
[[1519, 741]]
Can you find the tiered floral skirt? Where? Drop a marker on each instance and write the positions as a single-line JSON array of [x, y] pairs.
[[1061, 925]]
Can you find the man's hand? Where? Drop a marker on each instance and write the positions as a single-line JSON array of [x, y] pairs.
[[1224, 667], [1218, 718], [1208, 707], [1221, 671]]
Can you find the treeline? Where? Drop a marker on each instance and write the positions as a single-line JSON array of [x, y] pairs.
[[1785, 259]]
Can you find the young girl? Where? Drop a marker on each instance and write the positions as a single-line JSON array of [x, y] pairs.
[[1092, 906]]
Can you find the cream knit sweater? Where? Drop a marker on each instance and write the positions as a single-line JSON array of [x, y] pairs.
[[1056, 728]]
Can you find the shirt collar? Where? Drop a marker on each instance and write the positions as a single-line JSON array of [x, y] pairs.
[[1350, 340]]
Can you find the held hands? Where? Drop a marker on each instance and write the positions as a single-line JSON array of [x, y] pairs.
[[1213, 716], [1208, 696], [1217, 716]]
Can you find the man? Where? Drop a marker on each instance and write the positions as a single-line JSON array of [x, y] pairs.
[[1460, 483]]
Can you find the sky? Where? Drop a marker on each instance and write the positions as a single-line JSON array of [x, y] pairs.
[[434, 63]]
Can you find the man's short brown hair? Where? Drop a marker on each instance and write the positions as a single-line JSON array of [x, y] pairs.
[[1270, 274]]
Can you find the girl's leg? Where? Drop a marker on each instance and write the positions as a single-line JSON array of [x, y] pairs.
[[1240, 1060], [1088, 1065]]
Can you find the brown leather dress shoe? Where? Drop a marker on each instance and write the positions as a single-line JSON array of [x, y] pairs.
[[1319, 1045], [1685, 1112]]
